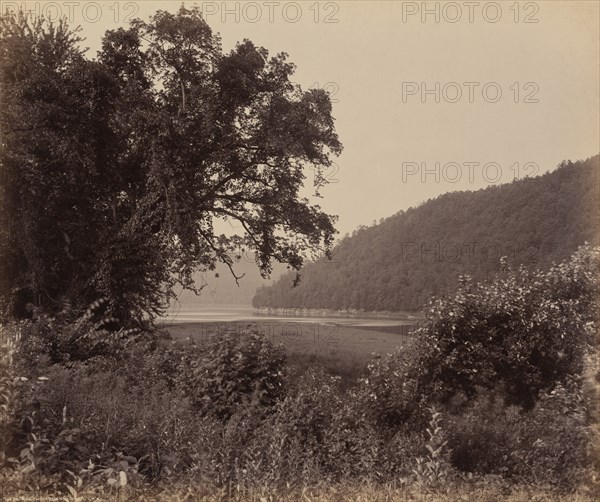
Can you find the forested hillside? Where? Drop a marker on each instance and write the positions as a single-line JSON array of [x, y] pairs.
[[399, 263]]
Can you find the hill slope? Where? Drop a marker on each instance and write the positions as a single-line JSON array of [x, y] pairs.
[[399, 263]]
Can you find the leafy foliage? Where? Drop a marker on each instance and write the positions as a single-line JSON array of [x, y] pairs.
[[549, 444], [180, 418], [433, 471], [114, 170], [63, 338], [231, 372], [520, 334]]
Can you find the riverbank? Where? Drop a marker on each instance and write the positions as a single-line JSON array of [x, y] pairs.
[[350, 313], [340, 349], [304, 337]]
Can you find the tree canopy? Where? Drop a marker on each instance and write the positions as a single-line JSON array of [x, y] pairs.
[[115, 169]]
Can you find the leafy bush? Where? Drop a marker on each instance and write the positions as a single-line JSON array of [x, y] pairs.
[[315, 432], [390, 391], [520, 334], [553, 438], [231, 371], [517, 336], [65, 337], [545, 446], [295, 434], [8, 389]]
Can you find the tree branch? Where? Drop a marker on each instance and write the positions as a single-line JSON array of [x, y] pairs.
[[219, 254]]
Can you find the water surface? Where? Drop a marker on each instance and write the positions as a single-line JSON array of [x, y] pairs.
[[245, 313]]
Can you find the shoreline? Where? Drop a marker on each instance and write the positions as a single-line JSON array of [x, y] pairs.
[[349, 314]]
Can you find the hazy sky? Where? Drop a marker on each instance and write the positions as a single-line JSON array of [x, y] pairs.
[[377, 57]]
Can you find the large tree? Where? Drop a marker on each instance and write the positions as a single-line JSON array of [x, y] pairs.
[[114, 170]]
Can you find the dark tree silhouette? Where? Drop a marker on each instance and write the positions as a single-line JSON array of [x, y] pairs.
[[114, 170]]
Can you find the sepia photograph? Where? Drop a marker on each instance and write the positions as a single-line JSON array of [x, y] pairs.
[[299, 251]]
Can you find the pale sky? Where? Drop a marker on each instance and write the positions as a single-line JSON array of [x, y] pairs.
[[376, 50]]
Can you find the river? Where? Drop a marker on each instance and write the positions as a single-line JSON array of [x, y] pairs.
[[202, 313]]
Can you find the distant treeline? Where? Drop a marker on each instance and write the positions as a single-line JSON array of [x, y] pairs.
[[398, 264]]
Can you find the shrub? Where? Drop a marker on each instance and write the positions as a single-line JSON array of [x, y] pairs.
[[301, 421], [231, 371], [520, 334], [545, 446], [389, 392], [482, 435], [62, 340], [553, 438], [315, 433], [9, 383]]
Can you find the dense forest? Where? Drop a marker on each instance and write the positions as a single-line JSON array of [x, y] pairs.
[[399, 263]]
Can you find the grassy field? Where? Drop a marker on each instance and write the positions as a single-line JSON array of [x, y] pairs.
[[342, 349]]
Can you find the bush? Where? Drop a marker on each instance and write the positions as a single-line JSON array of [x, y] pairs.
[[433, 472], [315, 432], [63, 339], [390, 392], [232, 371], [520, 334], [482, 435], [296, 433], [9, 383], [545, 446], [553, 438]]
